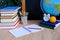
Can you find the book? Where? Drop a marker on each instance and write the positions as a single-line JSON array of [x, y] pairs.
[[8, 17], [8, 23], [9, 14], [9, 20], [24, 30], [10, 8], [9, 27], [46, 26], [49, 25]]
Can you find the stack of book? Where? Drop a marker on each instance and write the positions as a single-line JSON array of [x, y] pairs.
[[8, 17], [49, 24]]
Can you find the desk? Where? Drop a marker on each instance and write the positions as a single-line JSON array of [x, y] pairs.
[[46, 34]]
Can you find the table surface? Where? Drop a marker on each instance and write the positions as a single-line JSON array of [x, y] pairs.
[[46, 34]]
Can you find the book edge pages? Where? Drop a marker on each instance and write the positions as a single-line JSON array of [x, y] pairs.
[[8, 14], [7, 28], [7, 24], [56, 25], [8, 17], [9, 20]]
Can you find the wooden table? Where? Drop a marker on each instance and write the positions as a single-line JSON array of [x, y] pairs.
[[46, 34]]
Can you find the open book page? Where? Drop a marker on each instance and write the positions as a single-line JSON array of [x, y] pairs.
[[18, 32], [34, 28]]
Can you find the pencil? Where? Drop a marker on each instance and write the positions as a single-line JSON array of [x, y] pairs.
[[35, 28]]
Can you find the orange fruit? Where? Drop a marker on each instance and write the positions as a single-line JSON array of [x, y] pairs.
[[52, 19]]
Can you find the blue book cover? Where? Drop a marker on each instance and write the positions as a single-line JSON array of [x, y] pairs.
[[10, 8], [49, 23]]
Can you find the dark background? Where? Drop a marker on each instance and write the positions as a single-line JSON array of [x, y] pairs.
[[33, 7]]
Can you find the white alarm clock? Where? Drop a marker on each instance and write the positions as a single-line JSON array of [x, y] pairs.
[[46, 17]]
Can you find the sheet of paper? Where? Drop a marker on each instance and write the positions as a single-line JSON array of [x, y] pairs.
[[25, 30]]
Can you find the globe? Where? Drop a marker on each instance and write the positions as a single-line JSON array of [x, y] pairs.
[[51, 6]]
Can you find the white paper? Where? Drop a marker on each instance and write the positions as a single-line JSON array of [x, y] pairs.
[[25, 30]]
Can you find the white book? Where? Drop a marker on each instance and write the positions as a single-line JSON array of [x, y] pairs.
[[9, 14], [9, 20], [24, 30], [9, 27], [9, 23]]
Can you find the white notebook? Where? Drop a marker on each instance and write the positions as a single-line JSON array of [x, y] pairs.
[[25, 30]]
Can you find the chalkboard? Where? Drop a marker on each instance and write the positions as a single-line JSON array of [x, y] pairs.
[[34, 9]]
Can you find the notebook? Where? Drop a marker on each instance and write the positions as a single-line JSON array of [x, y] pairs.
[[25, 30]]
